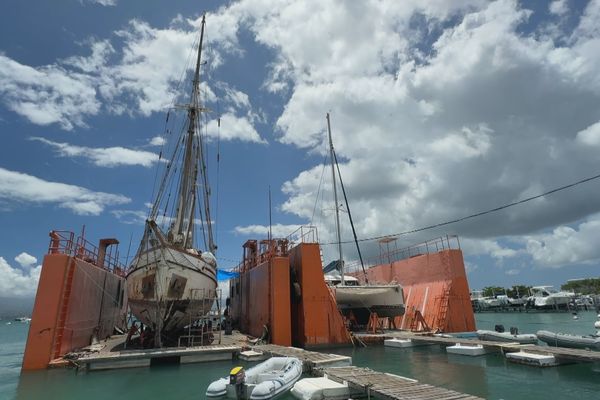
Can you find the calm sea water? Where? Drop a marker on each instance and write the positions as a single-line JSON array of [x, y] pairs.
[[489, 376]]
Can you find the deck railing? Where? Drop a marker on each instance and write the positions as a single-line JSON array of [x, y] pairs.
[[388, 256], [64, 242]]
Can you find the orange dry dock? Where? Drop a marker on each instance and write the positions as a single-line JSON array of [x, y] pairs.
[[282, 291], [436, 291], [80, 294]]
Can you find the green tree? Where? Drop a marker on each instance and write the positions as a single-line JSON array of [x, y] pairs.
[[490, 291], [583, 286], [517, 291]]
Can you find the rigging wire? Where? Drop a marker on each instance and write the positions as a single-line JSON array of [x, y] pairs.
[[479, 214], [319, 188], [362, 264], [166, 130]]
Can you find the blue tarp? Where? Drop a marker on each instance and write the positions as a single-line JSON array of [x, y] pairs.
[[223, 275], [332, 266]]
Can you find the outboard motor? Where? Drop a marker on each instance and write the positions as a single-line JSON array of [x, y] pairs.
[[499, 328], [514, 330], [236, 378]]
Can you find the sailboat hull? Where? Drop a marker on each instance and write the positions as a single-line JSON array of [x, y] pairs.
[[385, 300], [169, 288]]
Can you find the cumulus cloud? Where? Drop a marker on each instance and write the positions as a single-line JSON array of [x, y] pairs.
[[135, 217], [279, 230], [15, 282], [590, 136], [17, 187], [142, 76], [105, 2], [565, 245], [25, 260], [558, 7], [477, 109], [103, 157], [157, 141], [48, 94]]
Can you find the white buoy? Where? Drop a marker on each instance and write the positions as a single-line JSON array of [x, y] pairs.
[[320, 388], [398, 343], [466, 350], [537, 360]]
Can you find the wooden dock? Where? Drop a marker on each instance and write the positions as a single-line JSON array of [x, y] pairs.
[[310, 359], [146, 358], [560, 353], [389, 386]]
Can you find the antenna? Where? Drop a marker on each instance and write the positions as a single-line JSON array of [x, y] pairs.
[[270, 220]]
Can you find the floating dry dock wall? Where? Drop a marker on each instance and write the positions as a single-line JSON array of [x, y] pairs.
[[281, 292], [80, 294], [433, 277]]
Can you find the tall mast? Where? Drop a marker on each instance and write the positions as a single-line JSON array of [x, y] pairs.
[[212, 247], [183, 233], [335, 199]]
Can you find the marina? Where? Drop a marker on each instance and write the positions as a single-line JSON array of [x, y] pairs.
[[488, 376], [137, 285]]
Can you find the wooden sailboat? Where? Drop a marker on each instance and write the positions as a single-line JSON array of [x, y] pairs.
[[170, 283], [386, 300]]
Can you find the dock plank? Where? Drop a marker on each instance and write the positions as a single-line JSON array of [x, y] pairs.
[[392, 387]]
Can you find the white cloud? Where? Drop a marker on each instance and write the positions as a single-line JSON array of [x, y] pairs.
[[104, 2], [590, 136], [565, 246], [233, 127], [136, 217], [157, 141], [25, 260], [559, 7], [279, 230], [103, 157], [15, 282], [470, 113], [145, 75], [512, 272], [486, 246], [470, 267], [47, 94], [17, 187]]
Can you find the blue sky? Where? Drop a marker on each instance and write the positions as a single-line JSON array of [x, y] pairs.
[[438, 111]]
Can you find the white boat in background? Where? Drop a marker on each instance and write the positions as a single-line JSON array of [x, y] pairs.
[[496, 301], [517, 302], [268, 380], [546, 297], [478, 300], [495, 336]]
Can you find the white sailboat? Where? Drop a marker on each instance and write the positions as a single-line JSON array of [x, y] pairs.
[[170, 283], [386, 300]]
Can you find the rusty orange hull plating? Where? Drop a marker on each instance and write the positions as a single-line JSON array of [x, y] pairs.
[[75, 300], [436, 286], [288, 295]]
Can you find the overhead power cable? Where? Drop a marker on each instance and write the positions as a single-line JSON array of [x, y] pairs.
[[479, 214]]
